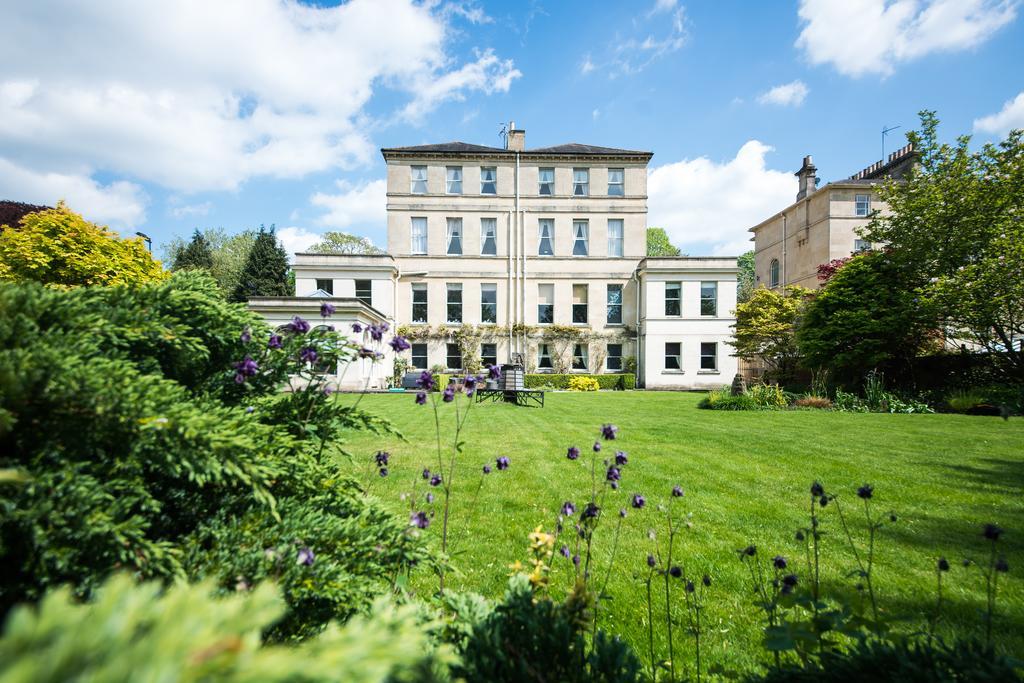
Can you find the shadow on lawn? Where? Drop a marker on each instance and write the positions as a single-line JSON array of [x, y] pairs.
[[1000, 475]]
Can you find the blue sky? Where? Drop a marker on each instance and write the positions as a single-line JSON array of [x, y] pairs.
[[169, 117]]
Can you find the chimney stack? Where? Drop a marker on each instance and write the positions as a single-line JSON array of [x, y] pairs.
[[808, 175], [516, 138]]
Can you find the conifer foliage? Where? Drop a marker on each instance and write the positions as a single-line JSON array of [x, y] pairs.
[[196, 254], [266, 270]]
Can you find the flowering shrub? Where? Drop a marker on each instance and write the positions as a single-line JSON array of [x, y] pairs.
[[623, 381], [150, 435], [583, 384]]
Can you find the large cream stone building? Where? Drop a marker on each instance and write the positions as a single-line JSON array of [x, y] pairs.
[[822, 224], [541, 255]]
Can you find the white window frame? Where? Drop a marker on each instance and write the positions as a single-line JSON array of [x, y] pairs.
[[543, 352], [368, 300], [616, 242], [583, 355], [493, 170], [489, 230], [860, 245], [420, 287], [448, 356], [773, 273], [713, 356], [449, 288], [541, 183], [425, 356], [608, 357], [678, 300], [453, 180], [542, 288], [418, 241], [453, 230], [483, 360], [583, 305], [490, 287], [581, 182], [617, 189], [613, 306], [548, 223], [713, 299], [861, 205], [417, 174], [576, 240], [677, 356]]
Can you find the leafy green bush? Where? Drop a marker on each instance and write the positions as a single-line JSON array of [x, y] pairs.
[[963, 400], [556, 381], [147, 445], [768, 396], [722, 399], [137, 632], [903, 662], [528, 637]]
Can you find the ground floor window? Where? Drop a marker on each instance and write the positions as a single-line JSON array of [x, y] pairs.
[[543, 357], [325, 286], [454, 357], [419, 356], [673, 354], [579, 357], [614, 357], [708, 356], [489, 354]]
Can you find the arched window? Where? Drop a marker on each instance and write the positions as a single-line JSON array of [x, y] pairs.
[[773, 273]]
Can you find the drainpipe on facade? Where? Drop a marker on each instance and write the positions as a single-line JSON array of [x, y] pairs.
[[508, 292], [520, 271], [784, 269], [639, 344]]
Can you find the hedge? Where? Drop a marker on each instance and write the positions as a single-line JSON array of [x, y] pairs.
[[546, 381]]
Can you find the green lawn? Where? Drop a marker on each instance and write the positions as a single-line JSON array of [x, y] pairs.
[[746, 477]]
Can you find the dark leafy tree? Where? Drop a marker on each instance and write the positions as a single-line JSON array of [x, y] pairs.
[[745, 282], [344, 243], [266, 269], [196, 254]]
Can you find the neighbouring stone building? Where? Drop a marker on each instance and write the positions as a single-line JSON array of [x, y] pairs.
[[821, 225], [499, 254]]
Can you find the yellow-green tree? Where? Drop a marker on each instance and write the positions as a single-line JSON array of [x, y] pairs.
[[59, 247]]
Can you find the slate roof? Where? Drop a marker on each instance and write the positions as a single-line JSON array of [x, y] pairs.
[[569, 149]]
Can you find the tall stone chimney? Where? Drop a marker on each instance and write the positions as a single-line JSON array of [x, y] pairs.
[[808, 175], [516, 138]]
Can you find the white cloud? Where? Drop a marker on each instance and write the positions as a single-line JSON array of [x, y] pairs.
[[662, 6], [860, 37], [1011, 116], [786, 95], [707, 207], [469, 11], [191, 210], [295, 239], [586, 66], [120, 204], [596, 114], [362, 206], [203, 96], [653, 38]]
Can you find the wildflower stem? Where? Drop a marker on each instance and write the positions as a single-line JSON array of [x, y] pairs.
[[668, 600], [650, 624]]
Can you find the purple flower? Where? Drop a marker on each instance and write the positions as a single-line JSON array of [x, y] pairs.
[[435, 480], [576, 560], [298, 325], [621, 458], [275, 342], [572, 453], [419, 519], [676, 572], [305, 556], [469, 381], [487, 469], [789, 580], [383, 471], [357, 328], [651, 561], [326, 310], [690, 587], [377, 331], [502, 463], [608, 432], [564, 550], [367, 353], [823, 501], [430, 497], [622, 512], [677, 491], [308, 355], [639, 501], [250, 409], [749, 551], [448, 395], [706, 580], [1002, 566], [328, 390], [246, 367], [817, 490], [382, 458], [568, 508], [597, 446], [779, 562], [590, 512], [421, 397], [612, 474], [426, 473], [992, 532], [943, 564], [865, 491], [246, 336], [426, 380], [494, 372], [614, 485], [399, 344]]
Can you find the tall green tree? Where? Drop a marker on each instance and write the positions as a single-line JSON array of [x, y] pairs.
[[229, 254], [658, 243], [745, 282], [766, 330], [344, 243], [955, 222], [870, 315], [266, 269], [196, 254]]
